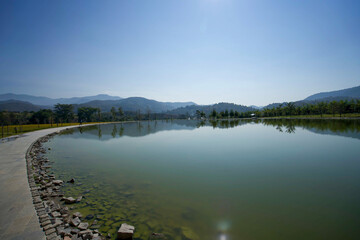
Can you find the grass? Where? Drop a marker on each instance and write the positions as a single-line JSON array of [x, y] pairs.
[[11, 130]]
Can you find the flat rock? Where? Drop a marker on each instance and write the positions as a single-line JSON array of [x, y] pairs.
[[125, 231], [69, 200], [57, 182], [77, 214], [83, 226], [75, 221], [55, 214]]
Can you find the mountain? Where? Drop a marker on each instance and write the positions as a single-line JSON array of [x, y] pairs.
[[256, 107], [345, 94], [191, 110], [52, 101], [353, 92], [18, 106], [134, 104]]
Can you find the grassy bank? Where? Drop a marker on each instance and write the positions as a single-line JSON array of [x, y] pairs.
[[325, 116], [7, 131]]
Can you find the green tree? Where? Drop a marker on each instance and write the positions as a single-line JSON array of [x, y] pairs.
[[85, 113], [341, 107], [121, 113], [333, 107], [232, 113], [64, 112], [198, 114], [98, 113], [322, 106], [290, 108], [42, 116], [113, 113], [213, 113]]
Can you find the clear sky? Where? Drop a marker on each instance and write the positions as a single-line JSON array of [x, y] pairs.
[[207, 51]]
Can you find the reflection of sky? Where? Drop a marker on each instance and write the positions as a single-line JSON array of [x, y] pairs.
[[238, 180]]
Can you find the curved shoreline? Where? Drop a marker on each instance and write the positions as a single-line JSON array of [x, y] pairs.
[[19, 219]]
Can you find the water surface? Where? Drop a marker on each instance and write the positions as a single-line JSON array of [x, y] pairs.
[[233, 180]]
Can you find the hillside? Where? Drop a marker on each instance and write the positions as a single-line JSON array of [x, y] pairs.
[[344, 93], [191, 110], [52, 101], [18, 106], [134, 104]]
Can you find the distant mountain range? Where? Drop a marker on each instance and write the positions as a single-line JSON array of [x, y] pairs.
[[344, 94], [45, 101], [136, 103], [18, 106], [219, 107], [353, 92], [23, 102]]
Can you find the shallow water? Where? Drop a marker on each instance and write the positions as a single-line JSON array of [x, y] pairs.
[[230, 180]]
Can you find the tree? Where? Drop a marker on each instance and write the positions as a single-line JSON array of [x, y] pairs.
[[341, 107], [237, 114], [213, 113], [42, 116], [98, 113], [198, 114], [290, 108], [333, 107], [113, 113], [322, 108], [121, 113], [85, 113], [232, 113], [64, 112]]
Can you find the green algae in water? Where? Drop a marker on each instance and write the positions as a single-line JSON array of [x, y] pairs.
[[239, 180]]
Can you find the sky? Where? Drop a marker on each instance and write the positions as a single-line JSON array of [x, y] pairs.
[[248, 52]]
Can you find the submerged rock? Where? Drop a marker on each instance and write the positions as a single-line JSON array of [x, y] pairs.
[[189, 234], [157, 236], [71, 180], [69, 200], [57, 182], [125, 231], [79, 199]]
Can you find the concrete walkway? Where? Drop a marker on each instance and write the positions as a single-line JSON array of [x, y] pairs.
[[18, 219]]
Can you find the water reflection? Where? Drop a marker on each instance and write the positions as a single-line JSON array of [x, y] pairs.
[[346, 128]]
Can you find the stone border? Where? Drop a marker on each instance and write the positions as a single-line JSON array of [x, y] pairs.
[[56, 221]]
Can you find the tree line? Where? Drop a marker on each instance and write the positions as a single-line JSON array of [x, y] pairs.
[[289, 109], [334, 107], [65, 113]]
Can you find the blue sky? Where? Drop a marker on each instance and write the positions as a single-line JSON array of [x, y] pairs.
[[207, 51]]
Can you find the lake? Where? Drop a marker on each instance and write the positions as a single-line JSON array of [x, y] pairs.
[[224, 180]]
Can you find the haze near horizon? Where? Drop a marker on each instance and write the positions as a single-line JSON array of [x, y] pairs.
[[206, 51]]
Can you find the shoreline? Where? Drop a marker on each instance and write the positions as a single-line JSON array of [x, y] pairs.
[[20, 219]]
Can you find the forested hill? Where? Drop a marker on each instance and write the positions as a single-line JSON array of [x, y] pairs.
[[134, 104], [344, 93], [45, 101], [207, 109], [18, 106]]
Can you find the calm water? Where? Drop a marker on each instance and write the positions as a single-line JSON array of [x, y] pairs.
[[221, 180]]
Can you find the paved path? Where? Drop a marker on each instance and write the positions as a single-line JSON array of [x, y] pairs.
[[18, 219]]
